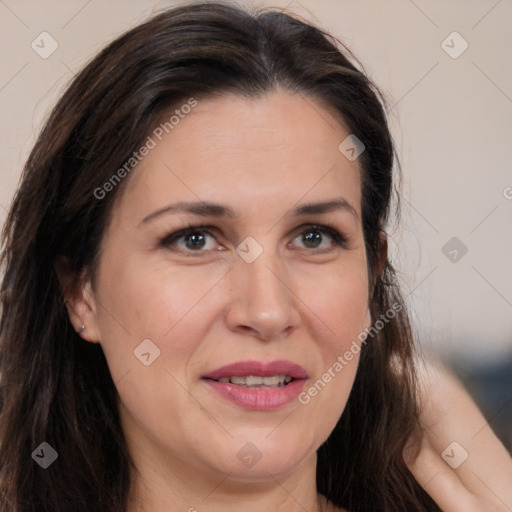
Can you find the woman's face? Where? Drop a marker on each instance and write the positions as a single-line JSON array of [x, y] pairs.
[[262, 291]]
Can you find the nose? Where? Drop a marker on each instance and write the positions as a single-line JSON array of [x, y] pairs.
[[262, 303]]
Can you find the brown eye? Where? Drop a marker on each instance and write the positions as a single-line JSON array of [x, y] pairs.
[[192, 239], [195, 240], [313, 239], [314, 236]]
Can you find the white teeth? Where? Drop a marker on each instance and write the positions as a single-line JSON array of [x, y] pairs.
[[237, 380], [271, 381], [253, 381]]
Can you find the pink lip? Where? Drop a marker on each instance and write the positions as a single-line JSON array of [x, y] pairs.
[[258, 369], [258, 399]]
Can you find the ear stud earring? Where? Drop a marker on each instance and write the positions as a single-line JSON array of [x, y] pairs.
[[82, 329]]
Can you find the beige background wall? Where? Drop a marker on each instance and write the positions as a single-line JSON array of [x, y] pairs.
[[452, 118]]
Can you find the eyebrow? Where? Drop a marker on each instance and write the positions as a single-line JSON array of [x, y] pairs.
[[207, 209]]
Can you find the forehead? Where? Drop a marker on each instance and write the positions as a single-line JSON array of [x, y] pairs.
[[254, 154]]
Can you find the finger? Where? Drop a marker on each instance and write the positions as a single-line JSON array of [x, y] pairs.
[[441, 482]]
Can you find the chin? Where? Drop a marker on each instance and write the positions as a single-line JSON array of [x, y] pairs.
[[255, 460]]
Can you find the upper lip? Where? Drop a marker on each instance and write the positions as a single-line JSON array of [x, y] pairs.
[[258, 369]]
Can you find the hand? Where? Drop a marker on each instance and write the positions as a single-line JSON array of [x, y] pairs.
[[483, 481]]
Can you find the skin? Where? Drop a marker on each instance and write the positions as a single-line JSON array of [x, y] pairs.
[[205, 308], [483, 481]]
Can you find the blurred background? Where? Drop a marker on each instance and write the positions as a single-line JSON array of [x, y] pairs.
[[445, 69]]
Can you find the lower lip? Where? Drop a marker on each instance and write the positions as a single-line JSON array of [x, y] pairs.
[[258, 399]]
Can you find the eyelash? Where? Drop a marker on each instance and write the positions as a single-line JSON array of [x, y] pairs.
[[338, 239]]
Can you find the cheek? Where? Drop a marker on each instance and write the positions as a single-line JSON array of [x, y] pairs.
[[167, 306], [340, 303], [351, 314], [140, 301]]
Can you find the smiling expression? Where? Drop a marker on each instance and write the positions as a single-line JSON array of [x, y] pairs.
[[237, 249]]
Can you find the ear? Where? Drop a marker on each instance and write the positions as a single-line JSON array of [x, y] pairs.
[[80, 301]]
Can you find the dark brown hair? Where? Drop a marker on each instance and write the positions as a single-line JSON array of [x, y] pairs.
[[57, 388]]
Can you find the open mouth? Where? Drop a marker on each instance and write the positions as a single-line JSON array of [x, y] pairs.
[[258, 385], [257, 382]]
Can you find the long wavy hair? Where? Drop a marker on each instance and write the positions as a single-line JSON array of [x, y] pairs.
[[56, 388]]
